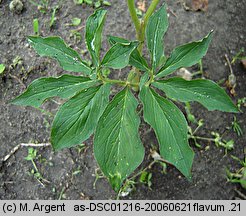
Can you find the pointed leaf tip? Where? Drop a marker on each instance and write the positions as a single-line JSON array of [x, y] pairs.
[[155, 31], [206, 92], [93, 35], [56, 48], [76, 119], [185, 56], [171, 129], [117, 145], [119, 54]]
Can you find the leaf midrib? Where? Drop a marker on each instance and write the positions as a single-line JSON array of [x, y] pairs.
[[171, 65], [155, 41], [112, 59], [80, 113], [64, 53], [120, 128], [176, 143], [189, 91]]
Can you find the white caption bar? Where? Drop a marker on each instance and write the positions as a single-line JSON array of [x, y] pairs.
[[60, 208]]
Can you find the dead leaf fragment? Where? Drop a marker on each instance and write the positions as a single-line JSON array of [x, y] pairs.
[[244, 63], [200, 5], [142, 5], [184, 73]]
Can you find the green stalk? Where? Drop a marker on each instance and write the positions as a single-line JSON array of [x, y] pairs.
[[140, 31], [133, 13], [117, 82], [149, 12]]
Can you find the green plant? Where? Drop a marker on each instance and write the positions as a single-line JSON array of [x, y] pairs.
[[117, 145], [2, 68], [241, 102], [93, 3], [240, 175], [53, 16], [32, 155], [236, 127], [35, 26], [42, 5], [76, 21], [238, 56]]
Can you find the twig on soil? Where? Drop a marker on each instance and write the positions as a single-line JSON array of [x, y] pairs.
[[229, 63], [231, 82], [62, 193], [16, 148], [19, 80], [171, 11], [79, 28], [241, 194]]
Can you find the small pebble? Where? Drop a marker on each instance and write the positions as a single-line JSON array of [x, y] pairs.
[[16, 6]]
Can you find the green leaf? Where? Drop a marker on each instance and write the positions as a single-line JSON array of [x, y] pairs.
[[185, 56], [118, 55], [56, 48], [106, 3], [93, 35], [76, 120], [89, 2], [136, 60], [117, 146], [41, 89], [206, 92], [170, 128], [2, 68], [143, 80], [76, 21], [35, 26], [97, 4], [78, 2], [155, 31]]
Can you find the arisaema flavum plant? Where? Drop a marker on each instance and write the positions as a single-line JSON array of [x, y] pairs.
[[115, 124]]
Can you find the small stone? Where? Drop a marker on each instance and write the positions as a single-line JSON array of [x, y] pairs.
[[244, 63], [16, 6], [184, 73]]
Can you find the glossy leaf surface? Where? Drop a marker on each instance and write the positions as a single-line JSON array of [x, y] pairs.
[[117, 146], [206, 92], [41, 89], [171, 129], [76, 119], [55, 47]]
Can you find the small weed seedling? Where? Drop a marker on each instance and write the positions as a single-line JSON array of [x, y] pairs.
[[241, 102], [93, 3], [2, 68], [236, 127], [238, 56], [32, 155], [35, 26], [115, 124], [42, 5], [53, 16], [240, 175]]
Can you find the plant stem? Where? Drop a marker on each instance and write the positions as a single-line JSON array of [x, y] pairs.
[[140, 31], [141, 26], [141, 171], [35, 167], [149, 12], [151, 74], [113, 81], [133, 13], [202, 138]]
